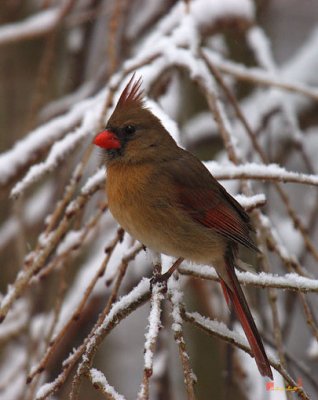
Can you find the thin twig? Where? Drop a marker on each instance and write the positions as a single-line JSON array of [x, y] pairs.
[[79, 309], [157, 297], [258, 76], [289, 281], [40, 258], [175, 297], [96, 338], [213, 328]]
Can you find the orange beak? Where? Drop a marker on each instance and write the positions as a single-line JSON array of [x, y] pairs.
[[107, 140]]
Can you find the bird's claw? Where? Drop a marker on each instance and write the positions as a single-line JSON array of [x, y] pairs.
[[161, 280]]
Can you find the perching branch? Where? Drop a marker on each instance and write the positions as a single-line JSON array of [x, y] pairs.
[[210, 75]]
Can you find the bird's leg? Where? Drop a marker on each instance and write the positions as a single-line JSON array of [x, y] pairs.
[[174, 266], [156, 262], [163, 278], [157, 269]]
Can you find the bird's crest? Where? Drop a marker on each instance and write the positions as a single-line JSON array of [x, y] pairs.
[[132, 94]]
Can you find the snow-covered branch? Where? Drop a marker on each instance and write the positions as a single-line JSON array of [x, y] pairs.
[[99, 381], [259, 76], [210, 75], [290, 281], [151, 339]]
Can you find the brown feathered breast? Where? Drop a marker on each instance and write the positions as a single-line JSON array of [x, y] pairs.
[[174, 210]]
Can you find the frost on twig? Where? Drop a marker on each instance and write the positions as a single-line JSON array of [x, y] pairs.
[[99, 381], [36, 25], [70, 276], [220, 330], [290, 281], [154, 323], [176, 295]]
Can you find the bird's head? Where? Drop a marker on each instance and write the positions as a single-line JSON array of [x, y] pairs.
[[133, 133]]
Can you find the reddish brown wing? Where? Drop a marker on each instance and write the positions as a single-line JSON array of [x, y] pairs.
[[207, 202]]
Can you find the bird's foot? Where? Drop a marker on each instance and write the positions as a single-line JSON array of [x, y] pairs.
[[161, 280]]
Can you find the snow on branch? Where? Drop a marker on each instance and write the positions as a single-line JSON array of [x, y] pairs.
[[259, 76], [151, 338], [34, 210], [94, 181], [272, 172], [219, 330], [62, 148], [251, 202], [22, 153], [37, 25], [121, 306], [48, 243], [204, 13], [290, 281], [193, 84], [16, 322], [176, 296], [154, 325], [99, 381], [302, 66]]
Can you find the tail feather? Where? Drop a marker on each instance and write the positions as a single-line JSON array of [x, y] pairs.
[[235, 295]]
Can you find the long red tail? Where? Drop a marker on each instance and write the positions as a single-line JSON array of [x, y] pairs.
[[243, 313]]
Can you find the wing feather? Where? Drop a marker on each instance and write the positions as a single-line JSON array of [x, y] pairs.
[[203, 198]]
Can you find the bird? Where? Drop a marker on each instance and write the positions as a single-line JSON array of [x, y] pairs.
[[165, 197]]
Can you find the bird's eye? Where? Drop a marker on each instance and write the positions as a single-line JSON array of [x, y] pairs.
[[129, 129]]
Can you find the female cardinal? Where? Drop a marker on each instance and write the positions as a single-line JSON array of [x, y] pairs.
[[164, 197]]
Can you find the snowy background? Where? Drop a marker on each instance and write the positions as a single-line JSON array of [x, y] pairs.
[[236, 83]]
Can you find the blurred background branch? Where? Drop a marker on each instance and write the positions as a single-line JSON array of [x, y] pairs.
[[235, 82]]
